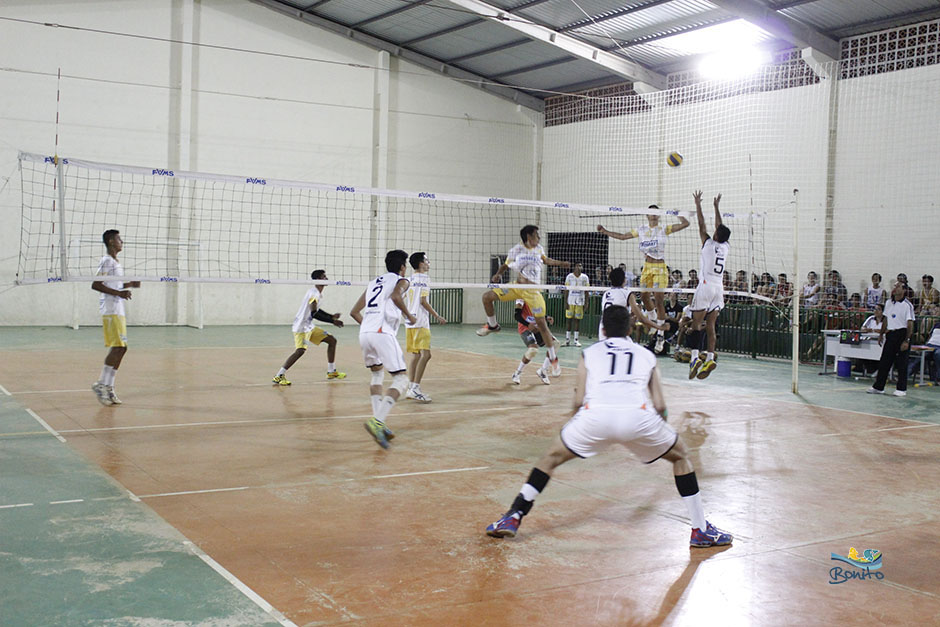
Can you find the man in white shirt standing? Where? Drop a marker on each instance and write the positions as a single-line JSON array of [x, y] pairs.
[[418, 335], [574, 312], [899, 312], [378, 312], [111, 307], [618, 399], [709, 298]]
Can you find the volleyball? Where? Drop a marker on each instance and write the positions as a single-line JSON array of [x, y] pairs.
[[674, 160]]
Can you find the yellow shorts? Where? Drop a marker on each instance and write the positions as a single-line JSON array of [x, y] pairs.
[[574, 311], [115, 330], [654, 275], [314, 335], [532, 298], [417, 340]]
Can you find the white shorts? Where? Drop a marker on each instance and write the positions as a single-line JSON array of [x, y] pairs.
[[382, 349], [643, 431], [708, 296]]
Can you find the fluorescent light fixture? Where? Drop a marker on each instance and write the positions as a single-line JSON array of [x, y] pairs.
[[733, 63], [736, 33]]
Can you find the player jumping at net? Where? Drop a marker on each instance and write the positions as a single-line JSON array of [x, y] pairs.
[[652, 240], [379, 311], [526, 259], [618, 399], [709, 296], [418, 335], [574, 312], [306, 331], [620, 296], [111, 307], [532, 338]]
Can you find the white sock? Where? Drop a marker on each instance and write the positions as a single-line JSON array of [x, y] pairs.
[[520, 367], [491, 320], [694, 354], [696, 512], [331, 367], [103, 377], [576, 336], [567, 335], [551, 353], [711, 356], [385, 406], [111, 376], [282, 372], [376, 399], [546, 364]]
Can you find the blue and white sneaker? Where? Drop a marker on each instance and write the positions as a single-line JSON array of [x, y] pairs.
[[505, 527], [712, 536]]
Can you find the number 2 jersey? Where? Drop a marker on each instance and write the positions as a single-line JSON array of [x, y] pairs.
[[713, 261], [380, 314], [618, 373], [612, 296]]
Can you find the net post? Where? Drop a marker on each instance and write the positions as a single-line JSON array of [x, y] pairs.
[[63, 253], [795, 321]]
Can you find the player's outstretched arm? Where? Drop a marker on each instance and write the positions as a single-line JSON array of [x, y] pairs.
[[683, 224], [702, 231], [555, 262], [614, 234], [356, 312], [579, 386], [398, 297], [717, 212], [656, 393]]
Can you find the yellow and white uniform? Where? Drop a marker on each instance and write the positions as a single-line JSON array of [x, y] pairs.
[[653, 244], [418, 335], [380, 322], [111, 307], [710, 293], [527, 263], [576, 298], [305, 330], [617, 407]]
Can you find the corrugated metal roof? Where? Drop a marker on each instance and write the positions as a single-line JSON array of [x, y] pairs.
[[468, 40], [828, 15]]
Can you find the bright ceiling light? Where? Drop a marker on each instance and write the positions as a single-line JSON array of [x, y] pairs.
[[736, 33], [733, 63]]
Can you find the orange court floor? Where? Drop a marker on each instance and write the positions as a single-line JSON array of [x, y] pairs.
[[283, 489]]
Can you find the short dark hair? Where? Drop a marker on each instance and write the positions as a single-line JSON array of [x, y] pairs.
[[416, 259], [395, 259], [616, 321], [928, 277], [617, 276], [526, 231], [722, 233], [653, 207], [876, 275], [316, 275], [108, 235]]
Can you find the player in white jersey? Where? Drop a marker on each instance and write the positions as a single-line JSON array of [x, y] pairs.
[[618, 399], [378, 312], [307, 332], [526, 259], [652, 240], [574, 312], [709, 295], [618, 295], [418, 335], [111, 307]]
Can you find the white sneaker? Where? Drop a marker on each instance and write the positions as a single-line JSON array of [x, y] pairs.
[[577, 343], [567, 342], [660, 341], [874, 391], [556, 368], [101, 392], [486, 329], [410, 393], [517, 378], [900, 393], [111, 395], [544, 377], [420, 396]]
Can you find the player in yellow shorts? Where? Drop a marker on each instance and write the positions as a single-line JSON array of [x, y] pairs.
[[111, 306], [574, 311], [527, 260], [418, 335], [306, 332], [652, 240]]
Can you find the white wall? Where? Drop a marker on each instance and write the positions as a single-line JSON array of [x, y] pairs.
[[151, 103]]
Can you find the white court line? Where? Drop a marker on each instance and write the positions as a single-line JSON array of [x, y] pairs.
[[49, 392], [5, 391], [17, 505], [248, 592], [152, 496], [64, 502], [132, 496], [45, 424], [426, 472]]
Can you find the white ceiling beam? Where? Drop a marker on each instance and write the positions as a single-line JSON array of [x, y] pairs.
[[780, 25], [629, 70]]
